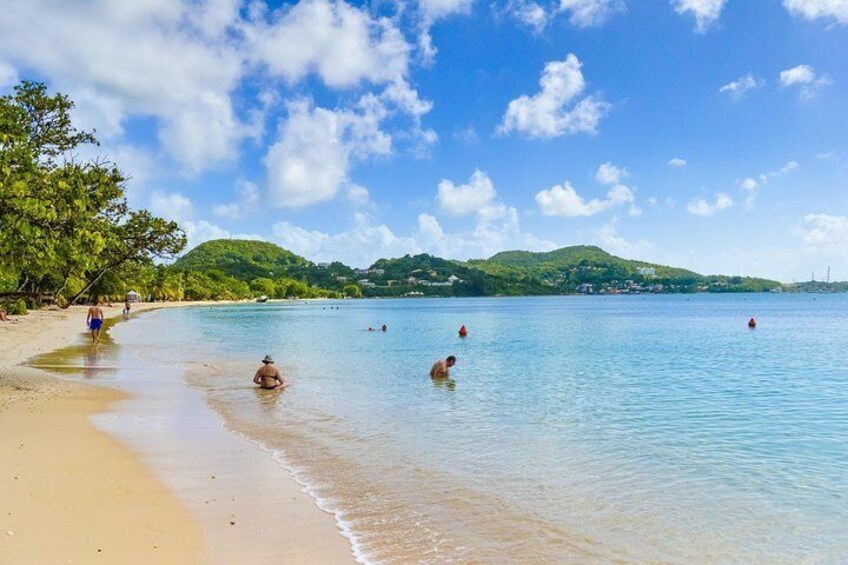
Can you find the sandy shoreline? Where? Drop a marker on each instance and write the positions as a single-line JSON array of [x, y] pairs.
[[70, 492]]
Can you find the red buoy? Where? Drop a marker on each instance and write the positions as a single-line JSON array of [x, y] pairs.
[[752, 323], [463, 332]]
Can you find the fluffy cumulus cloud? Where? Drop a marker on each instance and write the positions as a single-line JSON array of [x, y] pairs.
[[610, 174], [677, 162], [478, 193], [94, 51], [338, 42], [495, 227], [835, 10], [181, 63], [550, 112], [738, 88], [563, 200], [702, 207], [805, 78], [825, 231], [367, 240], [311, 159], [705, 12]]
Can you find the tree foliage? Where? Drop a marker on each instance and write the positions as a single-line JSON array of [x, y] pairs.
[[65, 222]]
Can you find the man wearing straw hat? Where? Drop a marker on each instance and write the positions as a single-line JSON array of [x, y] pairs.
[[268, 376]]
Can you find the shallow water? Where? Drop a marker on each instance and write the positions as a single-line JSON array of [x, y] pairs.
[[631, 429]]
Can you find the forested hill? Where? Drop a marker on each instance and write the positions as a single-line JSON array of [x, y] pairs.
[[243, 259], [272, 270], [590, 269]]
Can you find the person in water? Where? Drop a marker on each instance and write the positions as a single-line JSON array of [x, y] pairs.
[[94, 320], [384, 328], [441, 368], [268, 376], [752, 323]]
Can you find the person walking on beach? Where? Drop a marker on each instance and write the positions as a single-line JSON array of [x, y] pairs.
[[268, 376], [94, 321], [126, 308], [441, 368]]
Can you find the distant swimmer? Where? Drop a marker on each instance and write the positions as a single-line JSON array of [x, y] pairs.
[[94, 320], [370, 329], [268, 376], [463, 331], [752, 323], [384, 328], [441, 368]]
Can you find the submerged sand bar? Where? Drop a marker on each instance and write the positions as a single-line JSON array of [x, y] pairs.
[[70, 492]]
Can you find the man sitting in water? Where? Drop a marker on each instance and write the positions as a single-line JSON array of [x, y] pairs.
[[268, 376], [441, 368]]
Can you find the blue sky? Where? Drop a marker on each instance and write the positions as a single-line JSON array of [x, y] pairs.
[[708, 134]]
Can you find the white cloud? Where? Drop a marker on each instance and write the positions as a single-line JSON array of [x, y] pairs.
[[705, 12], [433, 10], [815, 9], [340, 43], [590, 13], [199, 231], [368, 241], [171, 206], [737, 88], [8, 76], [546, 115], [805, 77], [752, 185], [311, 159], [825, 231], [95, 51], [247, 197], [677, 162], [361, 245], [477, 194], [825, 155], [180, 62], [701, 207], [563, 200], [529, 13], [748, 184], [610, 174], [610, 240]]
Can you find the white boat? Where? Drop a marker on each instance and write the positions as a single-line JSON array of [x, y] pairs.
[[262, 298]]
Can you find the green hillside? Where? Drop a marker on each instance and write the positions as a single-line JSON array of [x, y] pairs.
[[243, 259], [273, 271], [573, 269]]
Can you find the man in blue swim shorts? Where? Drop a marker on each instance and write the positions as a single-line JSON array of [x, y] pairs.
[[95, 321]]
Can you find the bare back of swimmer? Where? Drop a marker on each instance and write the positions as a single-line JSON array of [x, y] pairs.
[[268, 376]]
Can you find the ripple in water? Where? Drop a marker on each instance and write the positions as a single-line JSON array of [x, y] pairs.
[[579, 429]]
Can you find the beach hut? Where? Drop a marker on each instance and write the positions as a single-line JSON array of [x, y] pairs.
[[133, 296]]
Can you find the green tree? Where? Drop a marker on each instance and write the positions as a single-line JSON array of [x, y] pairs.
[[63, 221], [352, 290]]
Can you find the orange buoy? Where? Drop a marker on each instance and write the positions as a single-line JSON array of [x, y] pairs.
[[752, 323], [463, 332]]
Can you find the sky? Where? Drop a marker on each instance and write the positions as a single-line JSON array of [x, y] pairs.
[[706, 134]]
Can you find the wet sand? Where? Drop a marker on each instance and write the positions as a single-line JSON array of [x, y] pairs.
[[70, 492]]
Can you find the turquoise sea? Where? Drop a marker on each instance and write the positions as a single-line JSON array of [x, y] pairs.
[[576, 429]]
